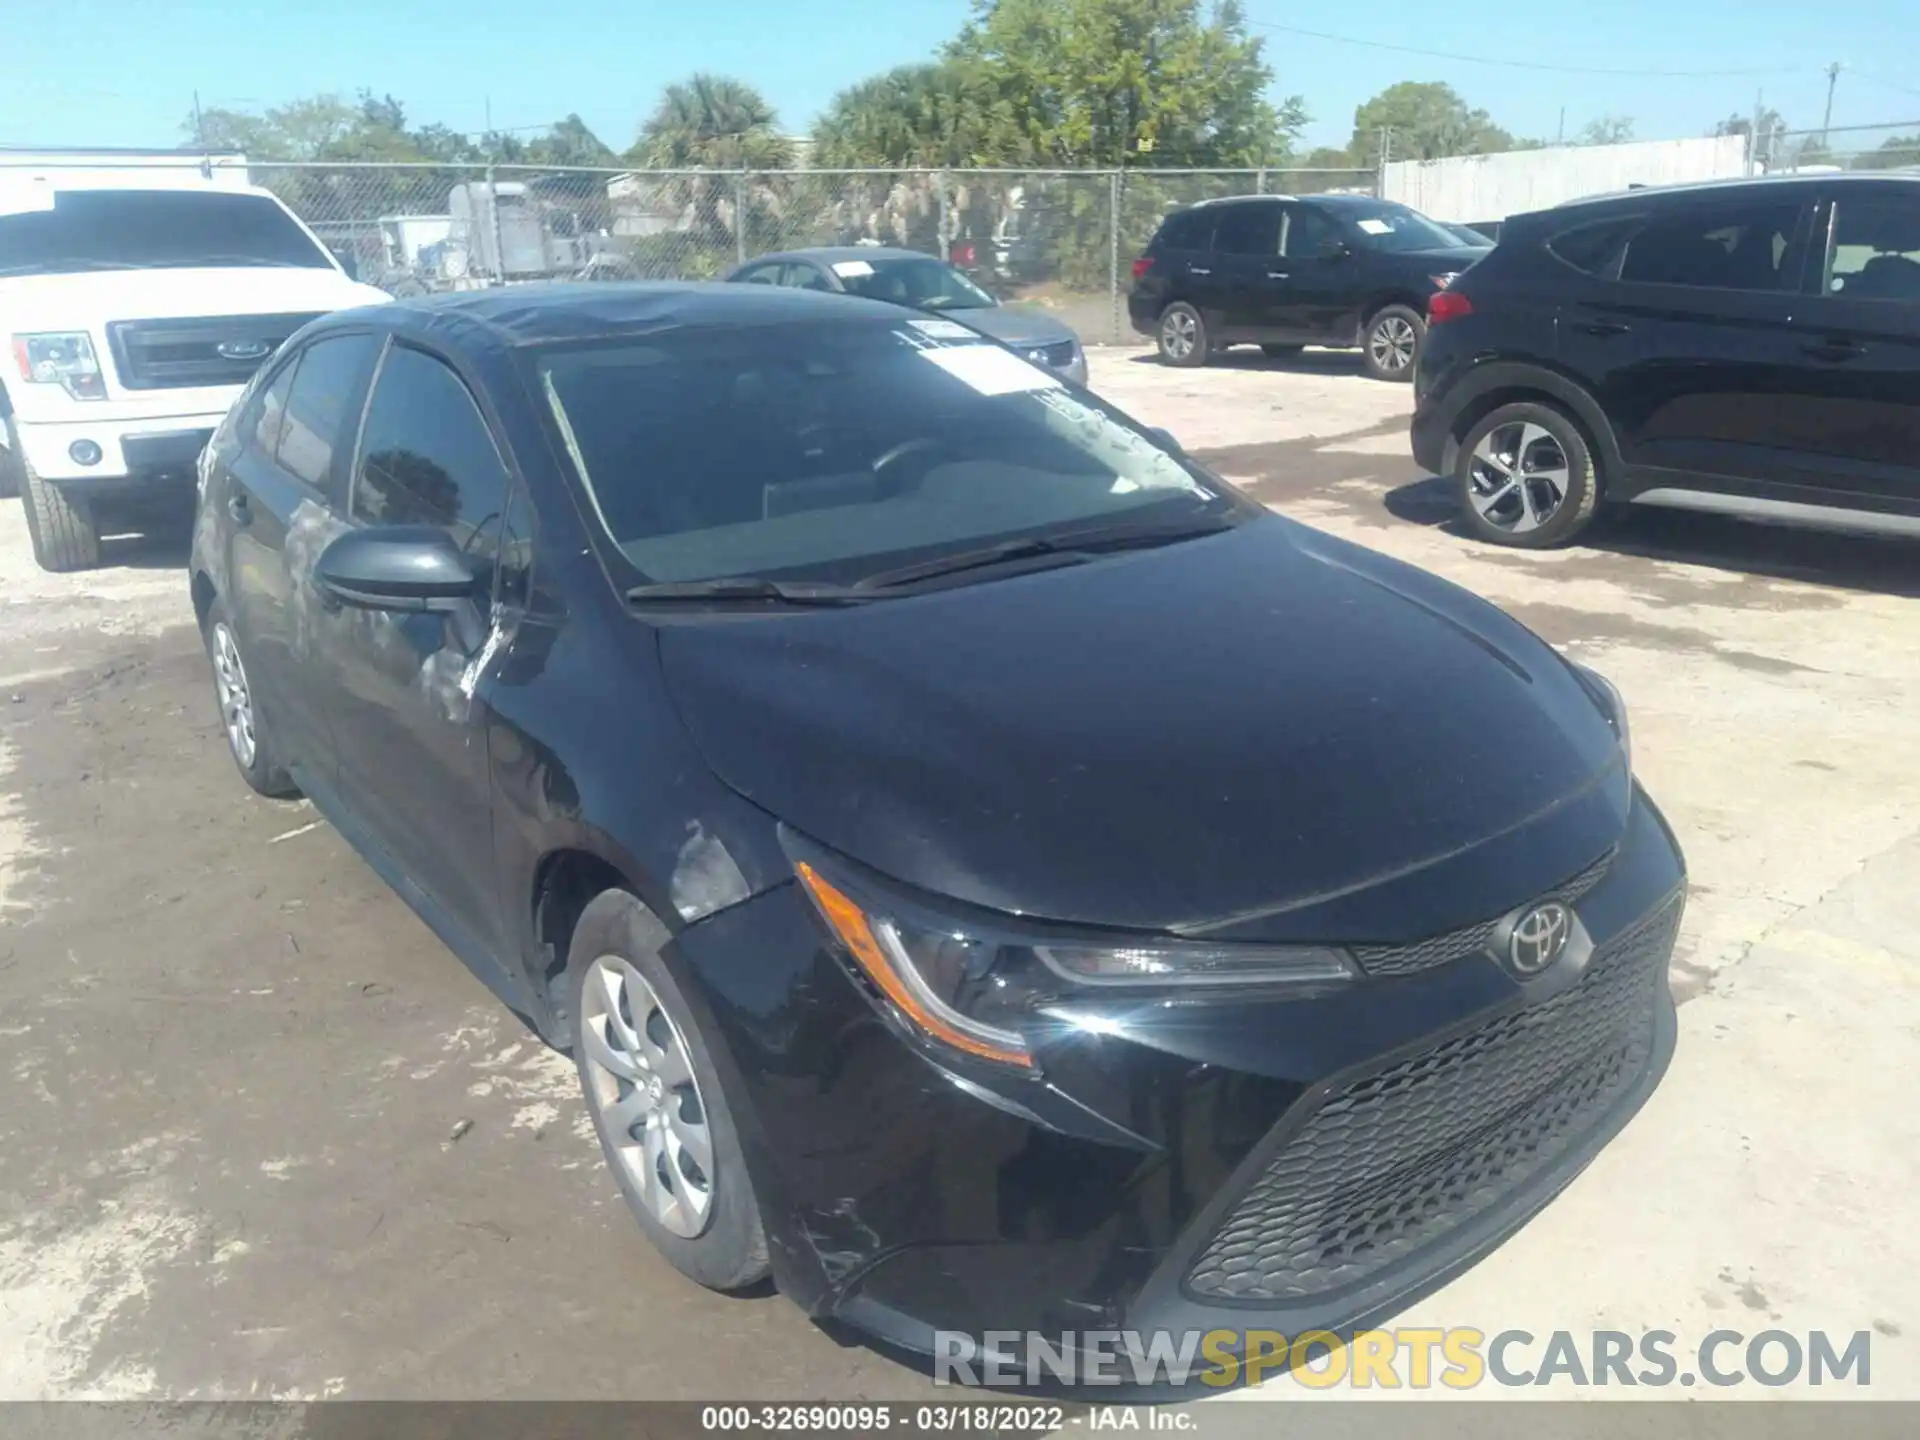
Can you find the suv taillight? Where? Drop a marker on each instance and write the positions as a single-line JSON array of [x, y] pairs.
[[1447, 305], [1142, 266]]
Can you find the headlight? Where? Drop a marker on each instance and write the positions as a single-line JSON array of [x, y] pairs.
[[63, 358], [1612, 704], [977, 987]]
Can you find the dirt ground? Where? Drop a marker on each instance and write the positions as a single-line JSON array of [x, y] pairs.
[[263, 1136]]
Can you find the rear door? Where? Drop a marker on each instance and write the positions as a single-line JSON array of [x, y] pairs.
[[1243, 285], [283, 484], [406, 691], [1683, 325], [1854, 428]]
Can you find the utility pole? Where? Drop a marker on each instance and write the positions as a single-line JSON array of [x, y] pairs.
[[1754, 158], [199, 125], [1826, 120], [1560, 134]]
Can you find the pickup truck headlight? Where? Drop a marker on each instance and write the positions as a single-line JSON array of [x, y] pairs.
[[976, 985], [63, 358]]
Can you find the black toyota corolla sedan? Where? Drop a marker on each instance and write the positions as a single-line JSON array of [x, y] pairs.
[[990, 873]]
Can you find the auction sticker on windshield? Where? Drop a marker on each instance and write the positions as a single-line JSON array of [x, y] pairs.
[[852, 269], [989, 369], [943, 329], [1375, 227]]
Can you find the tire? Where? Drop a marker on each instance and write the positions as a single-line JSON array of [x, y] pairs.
[[717, 1241], [10, 465], [250, 744], [1281, 352], [1390, 343], [1182, 336], [1546, 443], [64, 534]]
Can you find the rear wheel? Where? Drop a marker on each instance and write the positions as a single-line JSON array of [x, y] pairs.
[[62, 528], [1182, 336], [248, 740], [1391, 343], [1526, 477]]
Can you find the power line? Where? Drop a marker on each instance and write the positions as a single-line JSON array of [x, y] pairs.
[[1513, 64], [1883, 80]]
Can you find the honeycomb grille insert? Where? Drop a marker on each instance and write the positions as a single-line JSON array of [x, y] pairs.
[[1469, 939], [1398, 1158]]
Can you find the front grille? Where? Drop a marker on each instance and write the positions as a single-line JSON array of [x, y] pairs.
[[1394, 1160], [174, 354], [1469, 939]]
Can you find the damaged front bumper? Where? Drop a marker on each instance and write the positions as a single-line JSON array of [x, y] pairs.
[[1304, 1164]]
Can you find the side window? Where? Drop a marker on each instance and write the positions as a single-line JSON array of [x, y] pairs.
[[1594, 249], [325, 397], [426, 455], [761, 275], [1248, 230], [1876, 251], [805, 277], [1307, 234], [1735, 245], [1186, 230], [269, 408]]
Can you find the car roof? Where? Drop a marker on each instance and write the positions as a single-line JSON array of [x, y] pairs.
[[1319, 197], [830, 254], [1758, 184], [514, 316]]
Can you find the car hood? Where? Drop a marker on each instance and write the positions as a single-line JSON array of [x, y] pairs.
[[1014, 326], [1267, 732], [93, 299]]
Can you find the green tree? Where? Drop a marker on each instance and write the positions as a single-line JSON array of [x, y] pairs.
[[570, 142], [1126, 82], [1894, 152], [939, 114], [713, 122], [1607, 130], [1428, 121]]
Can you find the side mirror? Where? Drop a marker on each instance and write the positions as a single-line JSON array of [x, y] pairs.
[[1164, 438], [398, 567], [1335, 250]]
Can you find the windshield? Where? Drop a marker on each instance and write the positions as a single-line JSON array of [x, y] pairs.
[[1395, 228], [835, 452], [924, 284], [152, 229]]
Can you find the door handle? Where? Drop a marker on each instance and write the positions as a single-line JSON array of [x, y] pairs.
[[1198, 270], [1601, 327], [1837, 349], [239, 509]]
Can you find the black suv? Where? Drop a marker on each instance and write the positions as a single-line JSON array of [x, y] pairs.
[[1748, 347], [1282, 273]]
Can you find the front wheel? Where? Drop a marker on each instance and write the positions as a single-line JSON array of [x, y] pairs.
[[1391, 345], [1526, 477], [63, 530], [655, 1098], [1182, 336]]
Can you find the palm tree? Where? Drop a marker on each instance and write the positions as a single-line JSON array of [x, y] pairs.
[[714, 122]]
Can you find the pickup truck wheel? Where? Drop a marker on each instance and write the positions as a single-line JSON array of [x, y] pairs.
[[63, 531]]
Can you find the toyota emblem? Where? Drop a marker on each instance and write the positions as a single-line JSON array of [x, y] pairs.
[[1539, 937]]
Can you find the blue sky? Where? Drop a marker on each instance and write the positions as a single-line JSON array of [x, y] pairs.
[[106, 72]]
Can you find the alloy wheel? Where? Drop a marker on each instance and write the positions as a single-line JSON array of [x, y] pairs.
[[1178, 334], [236, 698], [1517, 477], [1391, 344], [640, 1080]]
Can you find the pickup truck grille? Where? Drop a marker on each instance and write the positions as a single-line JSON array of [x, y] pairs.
[[175, 354]]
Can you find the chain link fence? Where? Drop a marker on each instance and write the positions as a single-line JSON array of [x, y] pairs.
[[1064, 240], [1848, 147]]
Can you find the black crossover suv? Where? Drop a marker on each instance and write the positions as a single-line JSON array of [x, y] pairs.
[[1750, 348], [1282, 273], [989, 873]]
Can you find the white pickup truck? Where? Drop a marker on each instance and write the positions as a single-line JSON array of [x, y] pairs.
[[134, 306]]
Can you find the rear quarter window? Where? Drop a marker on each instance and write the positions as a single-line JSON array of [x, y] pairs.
[[1596, 247], [1185, 230]]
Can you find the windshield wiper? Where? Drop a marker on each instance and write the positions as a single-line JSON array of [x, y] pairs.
[[1071, 547], [747, 587]]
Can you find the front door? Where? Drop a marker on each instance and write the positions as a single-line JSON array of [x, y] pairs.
[[281, 488], [1313, 295], [404, 691], [1687, 332], [1853, 430]]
